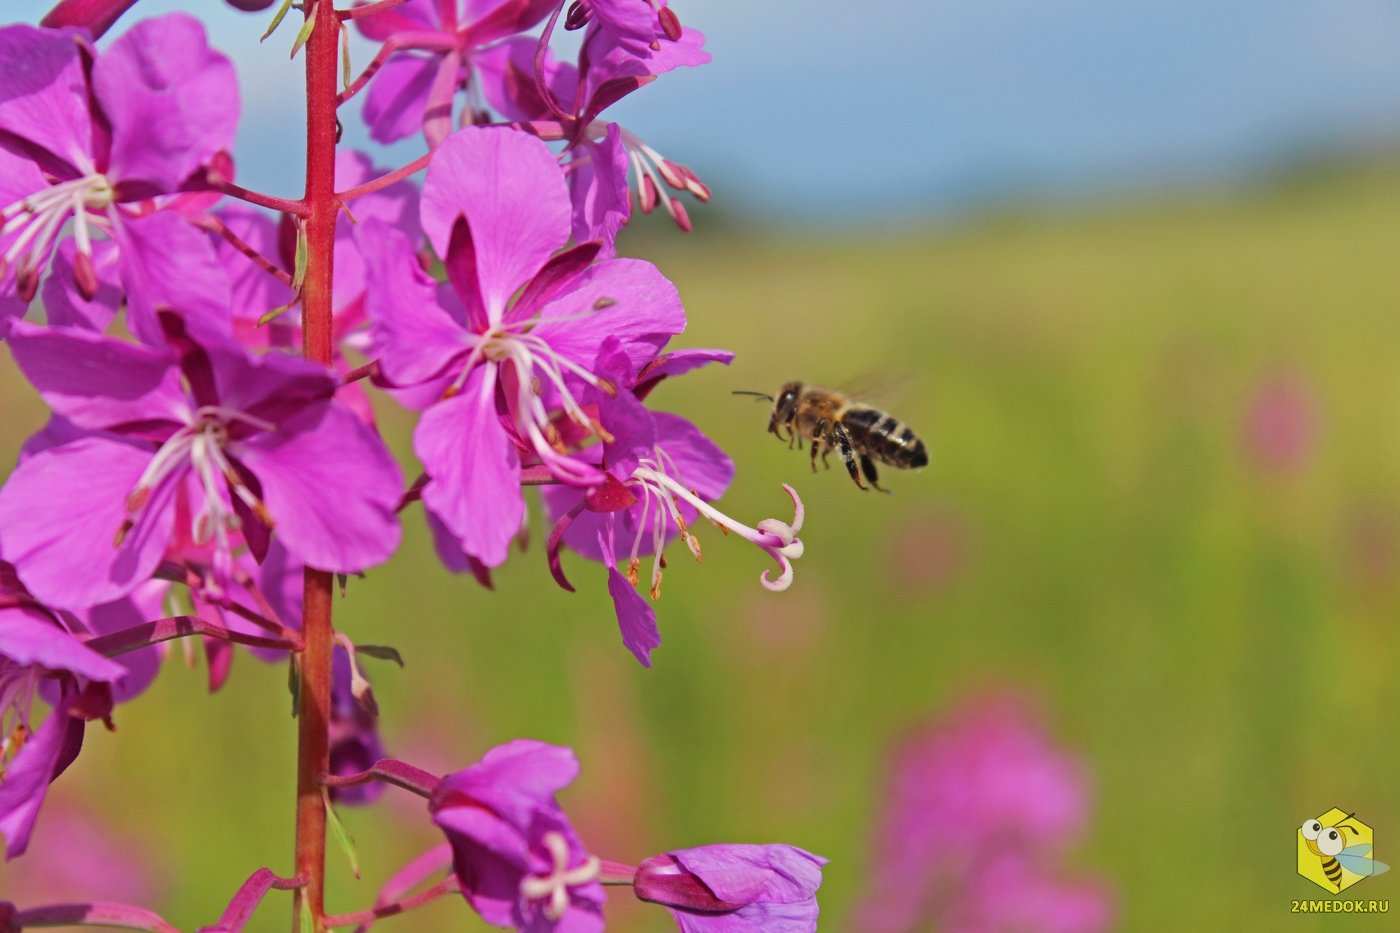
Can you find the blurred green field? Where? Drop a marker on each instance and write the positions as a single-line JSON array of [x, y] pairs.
[[1218, 641]]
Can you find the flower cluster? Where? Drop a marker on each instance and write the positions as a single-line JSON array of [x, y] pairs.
[[978, 810], [197, 468]]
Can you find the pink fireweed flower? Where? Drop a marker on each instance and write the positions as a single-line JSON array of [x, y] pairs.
[[662, 475], [1280, 429], [41, 657], [433, 44], [511, 339], [601, 156], [985, 790], [236, 443], [735, 888], [98, 140], [518, 861]]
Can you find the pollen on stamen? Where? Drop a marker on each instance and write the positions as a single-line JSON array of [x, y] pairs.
[[138, 498], [604, 303], [264, 516], [634, 566], [121, 533], [608, 387]]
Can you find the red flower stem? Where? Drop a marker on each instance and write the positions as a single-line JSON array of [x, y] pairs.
[[390, 771], [399, 42], [616, 873], [286, 206], [314, 669], [446, 886], [218, 227], [369, 9], [387, 179], [355, 375], [149, 633]]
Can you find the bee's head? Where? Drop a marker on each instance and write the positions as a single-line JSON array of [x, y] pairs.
[[785, 405]]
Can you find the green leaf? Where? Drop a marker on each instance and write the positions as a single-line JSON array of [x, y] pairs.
[[303, 34], [276, 313], [342, 835], [277, 19], [308, 922], [294, 682], [299, 269], [382, 652], [345, 76]]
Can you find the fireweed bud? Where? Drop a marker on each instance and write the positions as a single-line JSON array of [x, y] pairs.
[[734, 888]]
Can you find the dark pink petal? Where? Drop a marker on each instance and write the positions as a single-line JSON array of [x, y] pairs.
[[396, 205], [97, 382], [413, 337], [272, 387], [640, 307], [45, 98], [60, 512], [621, 61], [505, 18], [512, 192], [677, 363], [398, 96], [699, 462], [515, 779], [557, 275], [64, 303], [95, 16], [172, 102], [449, 551], [28, 776], [29, 637], [508, 80], [490, 857], [475, 470], [745, 873], [635, 617], [598, 186], [166, 263], [331, 486], [631, 23]]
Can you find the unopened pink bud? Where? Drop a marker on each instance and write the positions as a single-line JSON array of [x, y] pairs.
[[670, 23], [680, 215], [27, 283], [661, 880]]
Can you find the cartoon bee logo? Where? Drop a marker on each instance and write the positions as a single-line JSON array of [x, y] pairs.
[[1343, 848]]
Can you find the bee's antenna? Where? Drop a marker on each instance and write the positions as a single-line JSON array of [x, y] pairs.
[[751, 392]]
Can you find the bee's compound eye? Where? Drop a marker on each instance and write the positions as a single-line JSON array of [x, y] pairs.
[[1329, 841], [1311, 829]]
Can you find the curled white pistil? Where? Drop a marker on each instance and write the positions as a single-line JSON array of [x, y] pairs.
[[553, 888]]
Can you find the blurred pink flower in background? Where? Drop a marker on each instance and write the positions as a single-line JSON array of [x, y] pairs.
[[929, 549], [1281, 423], [979, 809], [95, 862]]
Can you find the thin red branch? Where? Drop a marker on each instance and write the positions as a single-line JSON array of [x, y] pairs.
[[446, 886], [224, 186], [250, 894], [399, 42], [414, 492], [387, 179], [122, 916], [149, 633], [389, 771], [363, 372], [215, 225], [368, 9]]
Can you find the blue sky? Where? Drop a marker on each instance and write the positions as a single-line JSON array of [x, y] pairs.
[[903, 108]]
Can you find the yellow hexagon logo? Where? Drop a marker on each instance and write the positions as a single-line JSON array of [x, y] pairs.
[[1335, 851]]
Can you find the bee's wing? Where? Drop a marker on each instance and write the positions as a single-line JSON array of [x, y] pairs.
[[1356, 860], [881, 389]]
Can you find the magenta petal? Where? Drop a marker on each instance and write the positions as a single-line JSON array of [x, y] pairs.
[[252, 291], [635, 617], [141, 666], [65, 305], [166, 263], [598, 186], [475, 470], [512, 192], [397, 98], [680, 362], [508, 79], [273, 387], [516, 778], [97, 382], [28, 776], [642, 309], [172, 101], [327, 448], [413, 337], [45, 94], [699, 463], [396, 205], [29, 637], [60, 512], [413, 16]]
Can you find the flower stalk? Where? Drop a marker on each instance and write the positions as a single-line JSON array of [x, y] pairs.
[[314, 667]]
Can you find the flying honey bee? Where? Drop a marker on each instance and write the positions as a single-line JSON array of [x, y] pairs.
[[1329, 844], [861, 434]]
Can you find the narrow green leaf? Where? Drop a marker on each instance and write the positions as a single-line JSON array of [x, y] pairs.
[[275, 313], [303, 34], [277, 19], [342, 835], [345, 76], [299, 269], [382, 652], [308, 922]]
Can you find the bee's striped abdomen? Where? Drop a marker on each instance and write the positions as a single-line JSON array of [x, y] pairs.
[[1333, 869], [884, 438]]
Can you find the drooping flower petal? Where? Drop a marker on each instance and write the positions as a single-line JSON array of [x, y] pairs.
[[27, 778], [396, 100], [598, 185], [166, 263], [635, 617], [28, 636], [475, 470]]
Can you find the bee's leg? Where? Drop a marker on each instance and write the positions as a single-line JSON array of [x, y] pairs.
[[816, 442], [843, 442], [826, 454], [867, 466]]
